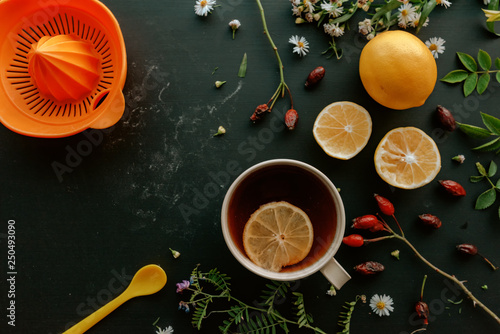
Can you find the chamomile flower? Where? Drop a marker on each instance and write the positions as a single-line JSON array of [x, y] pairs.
[[406, 15], [234, 24], [444, 3], [167, 330], [301, 45], [204, 7], [309, 6], [436, 45], [381, 305], [333, 30], [332, 9], [365, 26], [416, 21]]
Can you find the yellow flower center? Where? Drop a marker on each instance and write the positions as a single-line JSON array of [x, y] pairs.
[[300, 44], [438, 2], [404, 12], [380, 305], [203, 3], [433, 47]]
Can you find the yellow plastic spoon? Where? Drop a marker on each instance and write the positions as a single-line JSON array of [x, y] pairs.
[[146, 281]]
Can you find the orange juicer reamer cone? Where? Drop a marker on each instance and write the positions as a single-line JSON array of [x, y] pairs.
[[63, 67]]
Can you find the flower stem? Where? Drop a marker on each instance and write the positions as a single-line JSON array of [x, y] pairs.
[[450, 277], [282, 86]]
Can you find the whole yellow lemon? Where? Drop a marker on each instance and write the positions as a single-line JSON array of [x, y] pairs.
[[397, 70]]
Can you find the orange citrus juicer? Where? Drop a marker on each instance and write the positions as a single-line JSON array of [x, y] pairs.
[[63, 67]]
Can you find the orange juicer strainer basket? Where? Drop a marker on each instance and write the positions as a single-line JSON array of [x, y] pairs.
[[63, 67]]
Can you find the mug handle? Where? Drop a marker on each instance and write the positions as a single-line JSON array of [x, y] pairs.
[[335, 274]]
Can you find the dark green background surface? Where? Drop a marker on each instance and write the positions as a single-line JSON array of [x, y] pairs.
[[121, 206]]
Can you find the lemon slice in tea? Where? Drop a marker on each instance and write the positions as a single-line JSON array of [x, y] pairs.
[[277, 235]]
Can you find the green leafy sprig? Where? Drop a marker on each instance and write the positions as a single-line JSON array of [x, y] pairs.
[[487, 198], [207, 288], [492, 125], [345, 316], [474, 77]]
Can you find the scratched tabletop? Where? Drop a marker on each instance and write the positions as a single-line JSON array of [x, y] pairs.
[[88, 211]]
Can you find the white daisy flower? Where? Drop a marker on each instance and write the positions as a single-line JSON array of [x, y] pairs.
[[486, 2], [332, 9], [381, 305], [204, 7], [365, 26], [406, 15], [435, 44], [416, 21], [167, 330], [296, 10], [333, 29], [309, 6], [301, 45], [444, 3]]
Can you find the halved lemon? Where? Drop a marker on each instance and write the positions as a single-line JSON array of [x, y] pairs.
[[407, 158], [342, 129], [277, 235]]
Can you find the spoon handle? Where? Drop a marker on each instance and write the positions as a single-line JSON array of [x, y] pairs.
[[98, 315]]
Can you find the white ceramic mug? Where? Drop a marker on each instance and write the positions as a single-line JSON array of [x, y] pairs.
[[303, 186]]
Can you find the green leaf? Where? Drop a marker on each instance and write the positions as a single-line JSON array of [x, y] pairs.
[[468, 61], [493, 5], [427, 9], [498, 76], [492, 123], [483, 83], [481, 169], [243, 67], [476, 178], [484, 60], [497, 185], [474, 131], [470, 84], [492, 170], [486, 199], [489, 146], [455, 76]]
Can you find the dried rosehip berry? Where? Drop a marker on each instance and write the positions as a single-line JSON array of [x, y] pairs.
[[384, 205], [353, 240], [378, 227], [365, 222], [369, 268], [446, 118], [259, 112], [291, 119], [472, 250], [453, 187], [422, 311], [315, 76], [467, 249], [430, 220]]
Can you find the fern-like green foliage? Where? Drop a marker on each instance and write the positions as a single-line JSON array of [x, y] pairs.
[[208, 287], [345, 316]]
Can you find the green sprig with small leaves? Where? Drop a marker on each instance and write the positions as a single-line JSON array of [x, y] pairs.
[[492, 128], [345, 316], [487, 198], [473, 76], [211, 289]]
